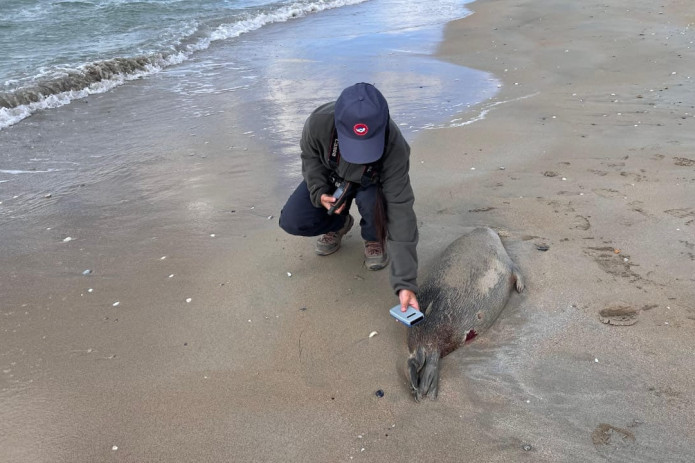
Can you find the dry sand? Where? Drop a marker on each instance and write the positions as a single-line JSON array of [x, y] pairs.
[[589, 149]]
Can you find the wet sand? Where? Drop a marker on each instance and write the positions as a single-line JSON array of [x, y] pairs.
[[587, 150]]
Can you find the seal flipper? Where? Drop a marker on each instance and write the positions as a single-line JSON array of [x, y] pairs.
[[413, 368], [519, 280], [429, 376], [415, 363]]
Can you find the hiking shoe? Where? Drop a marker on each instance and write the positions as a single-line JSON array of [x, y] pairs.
[[375, 257], [330, 242]]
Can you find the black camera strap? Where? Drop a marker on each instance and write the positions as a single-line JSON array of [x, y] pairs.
[[334, 155], [370, 174]]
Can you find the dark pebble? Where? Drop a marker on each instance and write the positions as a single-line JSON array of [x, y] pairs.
[[543, 247], [379, 393]]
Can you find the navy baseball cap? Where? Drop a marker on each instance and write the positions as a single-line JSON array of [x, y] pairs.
[[361, 119]]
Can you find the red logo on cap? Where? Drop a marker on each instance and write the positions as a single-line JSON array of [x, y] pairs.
[[360, 129]]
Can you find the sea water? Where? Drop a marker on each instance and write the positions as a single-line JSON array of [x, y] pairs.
[[150, 68], [55, 51]]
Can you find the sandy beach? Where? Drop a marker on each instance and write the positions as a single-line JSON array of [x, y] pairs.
[[202, 332]]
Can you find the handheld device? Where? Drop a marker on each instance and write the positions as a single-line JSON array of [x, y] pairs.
[[340, 195], [410, 317]]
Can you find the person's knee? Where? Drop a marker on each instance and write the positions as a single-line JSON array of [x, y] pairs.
[[297, 224], [366, 200], [289, 225], [367, 196]]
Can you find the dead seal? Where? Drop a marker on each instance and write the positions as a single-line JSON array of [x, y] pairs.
[[464, 293]]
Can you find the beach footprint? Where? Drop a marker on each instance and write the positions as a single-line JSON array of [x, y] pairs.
[[580, 223], [634, 176], [684, 162], [614, 262], [638, 206], [611, 441], [618, 315], [680, 213], [607, 192], [688, 214]]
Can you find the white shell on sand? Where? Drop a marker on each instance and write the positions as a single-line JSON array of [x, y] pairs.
[[372, 334]]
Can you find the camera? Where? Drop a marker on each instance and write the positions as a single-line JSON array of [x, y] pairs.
[[341, 194]]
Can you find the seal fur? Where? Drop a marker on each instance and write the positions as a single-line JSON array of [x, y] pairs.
[[464, 293]]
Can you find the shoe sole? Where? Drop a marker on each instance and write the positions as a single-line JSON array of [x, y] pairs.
[[326, 253], [378, 266]]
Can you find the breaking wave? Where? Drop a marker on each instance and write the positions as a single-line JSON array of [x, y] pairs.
[[66, 85]]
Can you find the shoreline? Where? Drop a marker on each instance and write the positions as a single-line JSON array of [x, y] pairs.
[[265, 364]]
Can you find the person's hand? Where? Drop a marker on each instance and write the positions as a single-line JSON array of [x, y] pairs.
[[407, 298], [327, 201]]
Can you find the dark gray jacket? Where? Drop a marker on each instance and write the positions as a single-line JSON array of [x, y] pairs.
[[395, 183]]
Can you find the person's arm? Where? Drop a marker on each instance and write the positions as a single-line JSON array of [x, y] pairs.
[[401, 221], [314, 172]]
